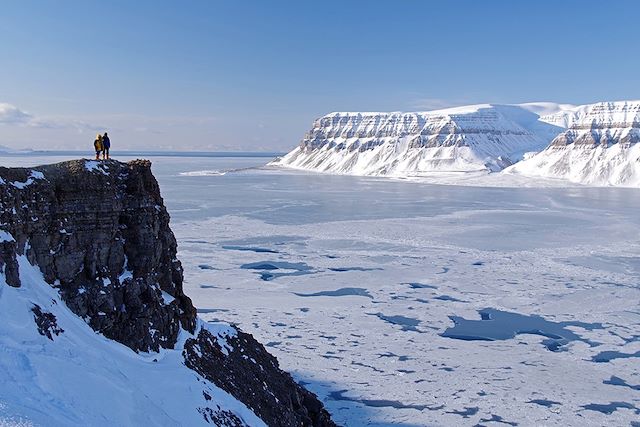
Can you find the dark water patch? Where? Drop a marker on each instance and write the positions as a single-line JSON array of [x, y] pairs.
[[502, 325], [266, 269], [342, 292], [328, 337], [478, 263], [415, 285], [367, 366], [544, 402], [345, 269], [610, 408], [497, 419], [406, 323], [401, 358], [273, 343], [607, 356], [206, 267], [330, 356], [448, 298], [620, 382], [249, 249], [276, 265], [446, 368], [212, 310], [381, 403], [466, 412], [554, 345], [304, 309]]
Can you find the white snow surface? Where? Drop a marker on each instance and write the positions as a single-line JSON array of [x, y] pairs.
[[600, 147], [567, 253], [83, 379], [96, 166], [30, 180], [472, 139]]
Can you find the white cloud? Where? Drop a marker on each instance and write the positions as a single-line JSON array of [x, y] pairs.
[[12, 115]]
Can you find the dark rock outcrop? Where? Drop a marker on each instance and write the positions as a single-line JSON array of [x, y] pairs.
[[246, 372], [99, 232]]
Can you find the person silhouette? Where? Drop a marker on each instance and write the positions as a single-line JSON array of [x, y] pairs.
[[106, 144]]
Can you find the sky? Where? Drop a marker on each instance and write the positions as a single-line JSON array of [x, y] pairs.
[[253, 75]]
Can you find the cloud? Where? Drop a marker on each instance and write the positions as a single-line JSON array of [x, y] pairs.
[[12, 115]]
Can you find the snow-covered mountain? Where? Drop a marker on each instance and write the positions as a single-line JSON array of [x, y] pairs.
[[472, 138], [599, 147], [592, 144]]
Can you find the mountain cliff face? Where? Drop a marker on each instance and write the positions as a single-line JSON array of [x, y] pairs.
[[599, 146], [89, 266], [478, 137], [590, 144]]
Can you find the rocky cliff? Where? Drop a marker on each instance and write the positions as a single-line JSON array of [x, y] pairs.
[[472, 138], [95, 236]]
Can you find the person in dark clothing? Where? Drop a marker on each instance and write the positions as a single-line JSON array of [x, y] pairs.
[[106, 144]]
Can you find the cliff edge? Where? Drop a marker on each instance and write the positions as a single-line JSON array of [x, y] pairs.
[[95, 236]]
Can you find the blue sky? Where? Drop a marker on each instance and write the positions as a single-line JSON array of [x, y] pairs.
[[253, 75]]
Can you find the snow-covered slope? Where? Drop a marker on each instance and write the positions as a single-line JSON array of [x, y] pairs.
[[472, 138], [600, 146], [80, 378], [95, 327]]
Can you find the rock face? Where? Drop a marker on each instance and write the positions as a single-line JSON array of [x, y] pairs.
[[599, 147], [286, 404], [99, 233], [473, 138]]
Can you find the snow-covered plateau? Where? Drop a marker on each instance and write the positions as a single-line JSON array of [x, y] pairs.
[[593, 144]]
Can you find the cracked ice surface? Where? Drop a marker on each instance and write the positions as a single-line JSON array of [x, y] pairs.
[[368, 274], [387, 267]]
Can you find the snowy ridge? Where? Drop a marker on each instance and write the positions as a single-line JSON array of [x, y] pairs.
[[142, 388], [589, 144], [480, 137], [600, 146]]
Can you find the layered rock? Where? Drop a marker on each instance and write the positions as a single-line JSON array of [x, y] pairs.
[[99, 235], [599, 147], [479, 137]]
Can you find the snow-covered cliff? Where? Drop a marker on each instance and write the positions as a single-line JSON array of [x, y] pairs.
[[95, 328], [599, 147], [471, 138]]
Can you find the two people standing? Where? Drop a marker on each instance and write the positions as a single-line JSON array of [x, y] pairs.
[[102, 144]]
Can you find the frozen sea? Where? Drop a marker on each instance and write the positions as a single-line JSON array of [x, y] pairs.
[[413, 304]]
